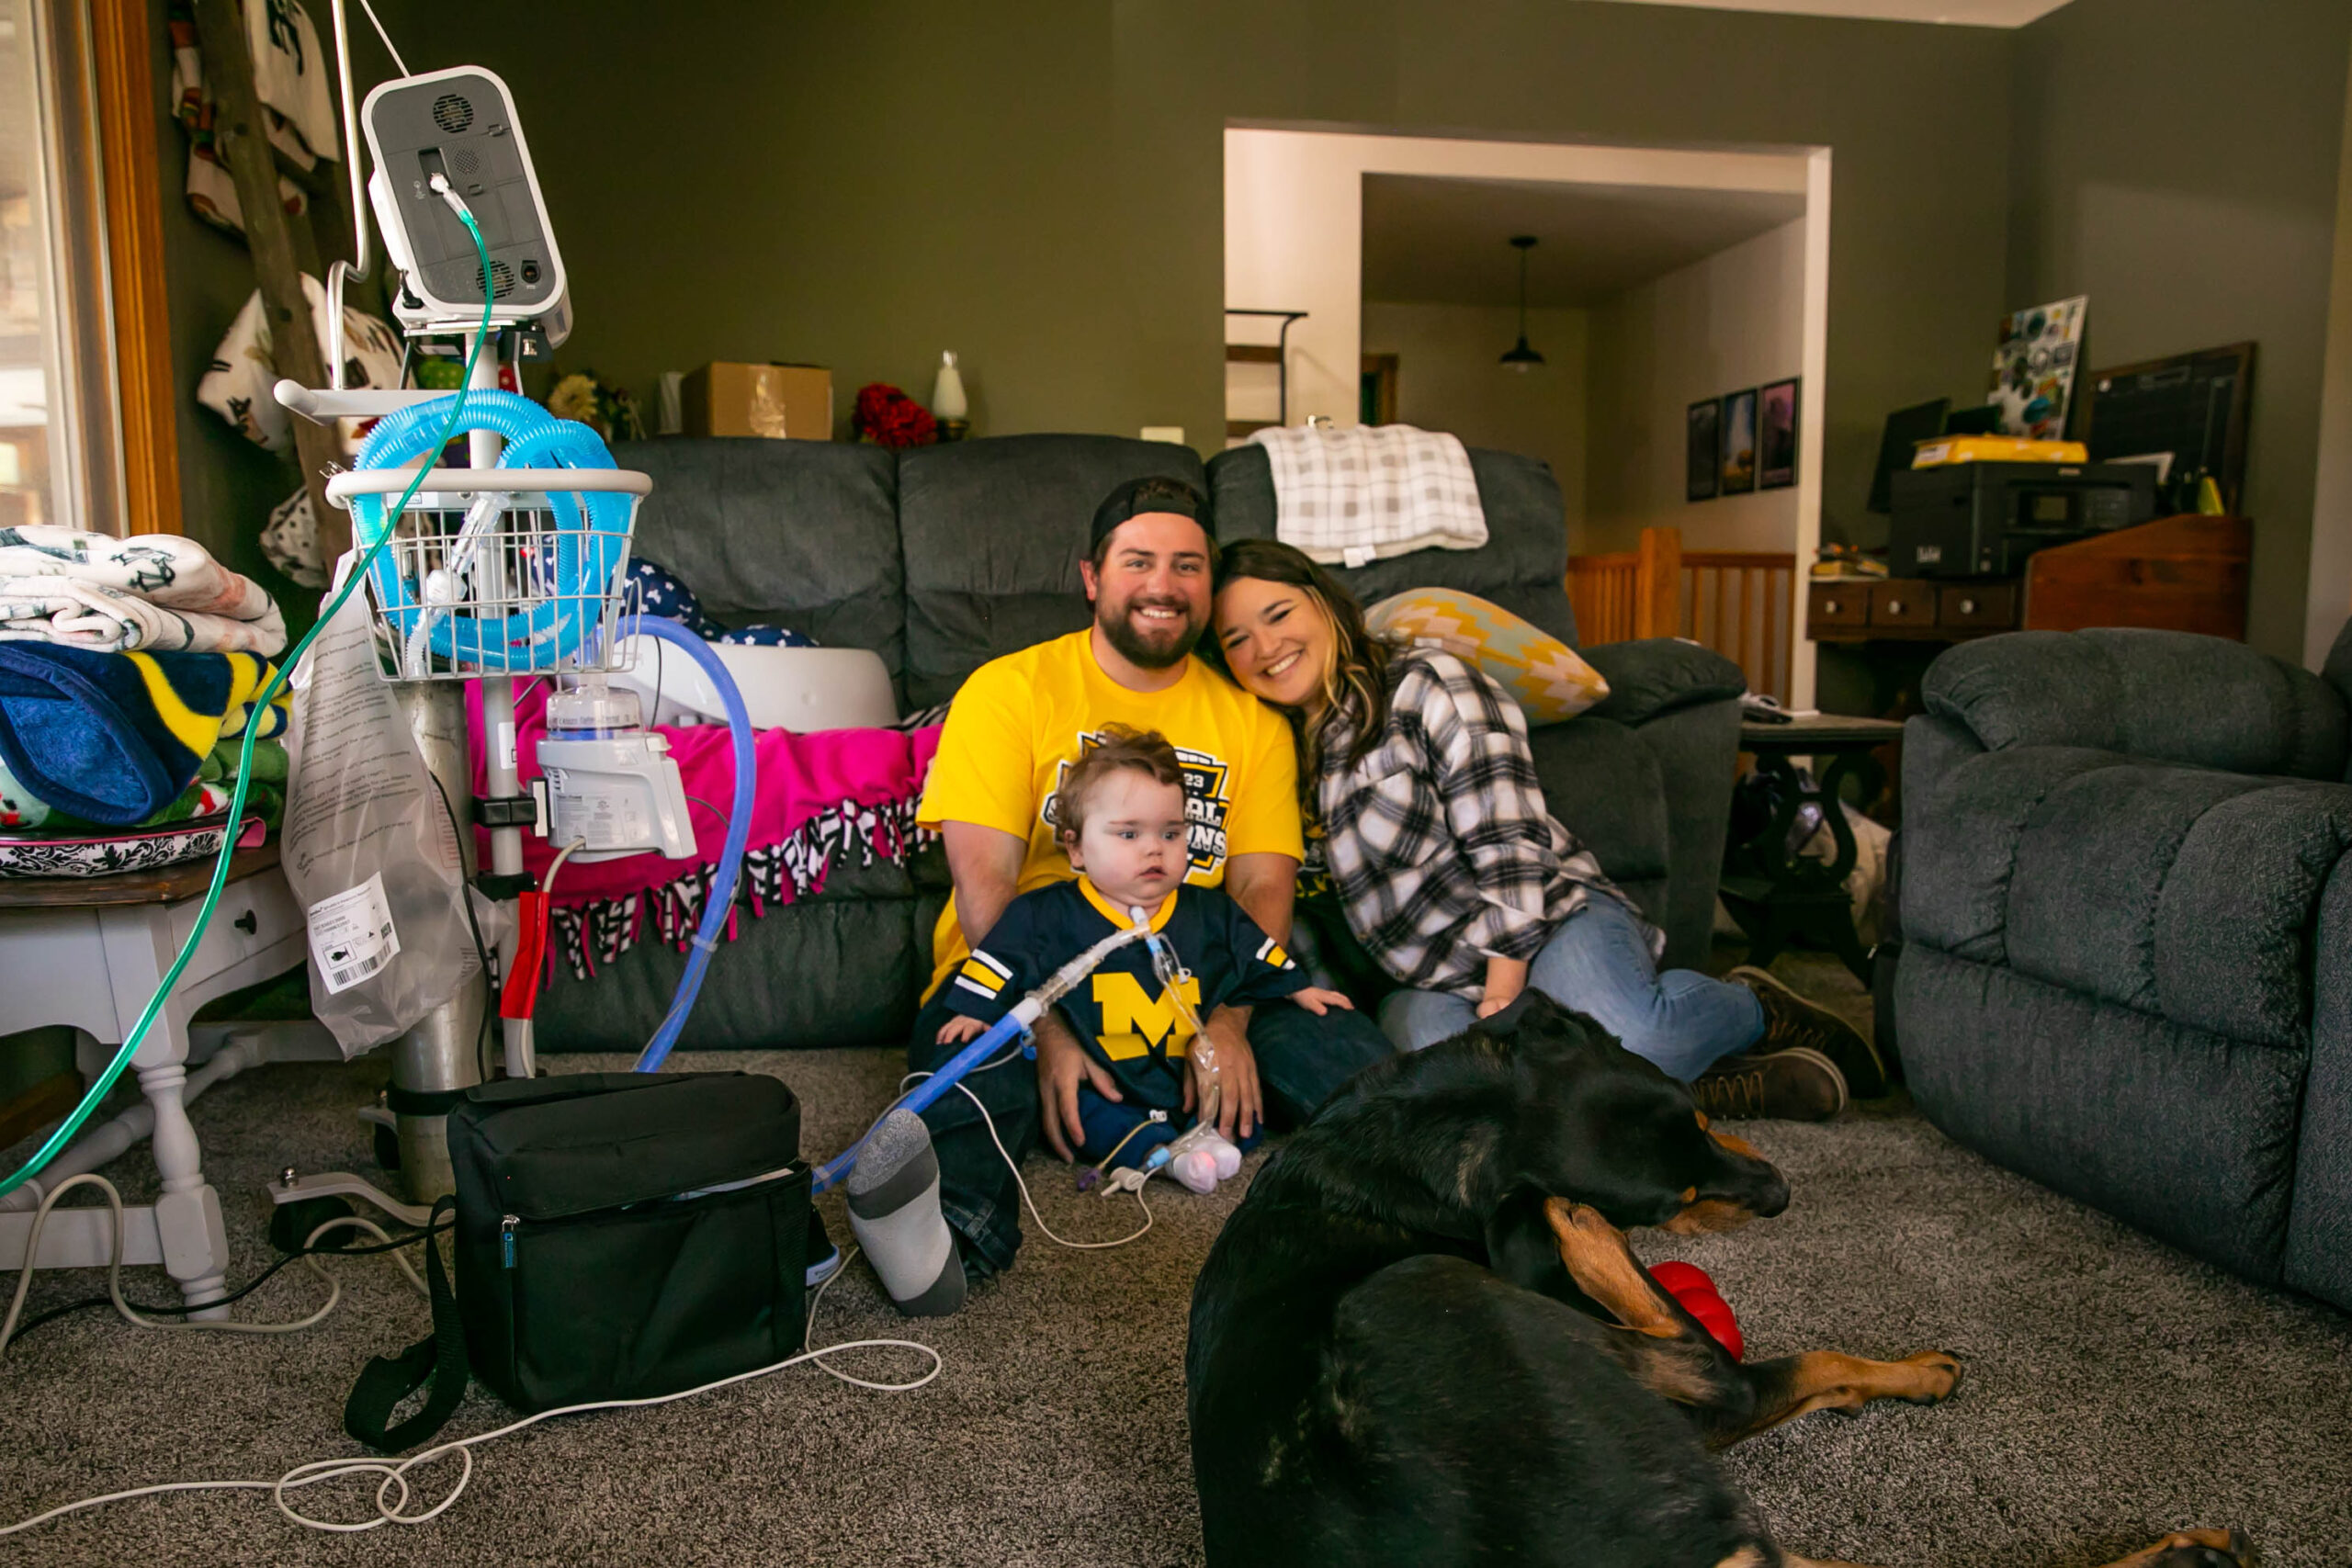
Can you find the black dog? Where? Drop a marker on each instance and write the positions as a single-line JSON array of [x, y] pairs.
[[1422, 1337]]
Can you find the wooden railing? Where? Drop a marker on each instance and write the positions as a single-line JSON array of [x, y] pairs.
[[1736, 602], [1629, 594]]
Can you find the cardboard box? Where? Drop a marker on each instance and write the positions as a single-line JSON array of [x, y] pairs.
[[794, 401]]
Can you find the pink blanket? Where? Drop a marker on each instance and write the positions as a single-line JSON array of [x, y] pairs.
[[816, 795]]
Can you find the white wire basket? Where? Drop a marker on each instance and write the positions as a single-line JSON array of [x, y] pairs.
[[497, 572]]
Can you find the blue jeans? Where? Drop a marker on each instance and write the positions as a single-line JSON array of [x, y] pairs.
[[1599, 962], [1301, 1059]]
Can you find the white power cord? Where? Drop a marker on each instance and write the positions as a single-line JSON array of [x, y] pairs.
[[392, 1492], [1027, 1201], [114, 1269]]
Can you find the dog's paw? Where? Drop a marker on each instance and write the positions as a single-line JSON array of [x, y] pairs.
[[1939, 1376], [1569, 1217]]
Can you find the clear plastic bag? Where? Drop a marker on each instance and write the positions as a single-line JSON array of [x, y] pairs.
[[368, 849]]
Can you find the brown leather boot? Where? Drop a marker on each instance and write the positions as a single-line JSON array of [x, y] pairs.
[[1795, 1085]]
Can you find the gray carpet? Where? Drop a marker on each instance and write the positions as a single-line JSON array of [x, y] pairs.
[[2115, 1388]]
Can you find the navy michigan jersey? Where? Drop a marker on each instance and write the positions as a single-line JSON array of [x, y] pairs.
[[1122, 1011]]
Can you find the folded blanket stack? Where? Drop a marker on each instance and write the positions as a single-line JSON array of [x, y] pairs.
[[1349, 497], [153, 592], [120, 740]]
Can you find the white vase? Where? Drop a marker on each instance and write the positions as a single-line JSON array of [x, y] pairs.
[[947, 399]]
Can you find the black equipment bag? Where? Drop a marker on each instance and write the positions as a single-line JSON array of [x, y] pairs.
[[619, 1236]]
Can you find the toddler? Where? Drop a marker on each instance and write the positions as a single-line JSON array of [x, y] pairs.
[[1120, 815]]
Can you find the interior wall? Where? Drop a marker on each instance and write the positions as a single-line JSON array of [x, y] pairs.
[[1447, 378], [1041, 187], [1726, 323], [2329, 599], [2191, 228]]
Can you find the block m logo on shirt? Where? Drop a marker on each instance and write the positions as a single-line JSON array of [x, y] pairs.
[[1135, 1023]]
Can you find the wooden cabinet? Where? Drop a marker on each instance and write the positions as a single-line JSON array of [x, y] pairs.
[[1903, 602], [2186, 573], [1838, 605], [1908, 610], [1977, 606]]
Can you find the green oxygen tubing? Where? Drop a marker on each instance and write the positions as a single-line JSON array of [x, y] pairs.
[[105, 1080]]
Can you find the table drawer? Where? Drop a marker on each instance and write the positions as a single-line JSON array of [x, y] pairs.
[[1838, 605], [254, 915], [1978, 605], [1903, 603]]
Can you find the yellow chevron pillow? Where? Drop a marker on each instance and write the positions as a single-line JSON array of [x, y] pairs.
[[1542, 672]]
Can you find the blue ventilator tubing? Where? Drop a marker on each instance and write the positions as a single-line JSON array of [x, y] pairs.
[[1002, 1032], [590, 540], [994, 1038], [739, 829]]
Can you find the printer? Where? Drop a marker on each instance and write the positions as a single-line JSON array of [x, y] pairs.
[[1981, 519]]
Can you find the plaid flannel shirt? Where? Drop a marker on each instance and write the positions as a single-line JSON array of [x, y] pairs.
[[1438, 842]]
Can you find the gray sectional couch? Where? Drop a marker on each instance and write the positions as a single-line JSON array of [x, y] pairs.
[[2127, 911], [943, 558]]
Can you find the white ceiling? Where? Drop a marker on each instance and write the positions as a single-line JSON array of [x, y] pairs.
[[1958, 13], [1446, 241]]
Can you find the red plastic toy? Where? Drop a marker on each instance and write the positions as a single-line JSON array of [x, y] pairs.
[[1688, 1284]]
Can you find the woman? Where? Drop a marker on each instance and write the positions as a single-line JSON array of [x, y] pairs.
[[1415, 767]]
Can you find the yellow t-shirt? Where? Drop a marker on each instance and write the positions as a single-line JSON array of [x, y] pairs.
[[1021, 720]]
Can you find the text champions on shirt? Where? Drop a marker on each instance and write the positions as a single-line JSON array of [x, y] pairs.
[[1208, 793]]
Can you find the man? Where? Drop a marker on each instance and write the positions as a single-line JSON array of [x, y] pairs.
[[1017, 725]]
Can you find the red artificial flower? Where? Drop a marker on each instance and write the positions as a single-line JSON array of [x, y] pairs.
[[888, 417]]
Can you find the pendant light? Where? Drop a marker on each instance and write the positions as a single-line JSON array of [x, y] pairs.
[[1520, 355]]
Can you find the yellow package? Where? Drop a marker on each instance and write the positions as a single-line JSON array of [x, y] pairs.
[[1997, 449]]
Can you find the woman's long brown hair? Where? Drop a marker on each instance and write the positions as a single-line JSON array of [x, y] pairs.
[[1355, 684]]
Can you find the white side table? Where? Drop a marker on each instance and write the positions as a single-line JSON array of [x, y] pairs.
[[90, 953]]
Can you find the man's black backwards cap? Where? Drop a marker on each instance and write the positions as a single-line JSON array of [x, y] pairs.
[[1138, 497]]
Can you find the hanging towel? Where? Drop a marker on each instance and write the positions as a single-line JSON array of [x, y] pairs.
[[115, 738], [290, 79], [1349, 497], [157, 591]]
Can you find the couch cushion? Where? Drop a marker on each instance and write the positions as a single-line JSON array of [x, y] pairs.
[[1523, 567], [2168, 696], [993, 532], [2187, 1134], [1603, 784], [1653, 676], [835, 970], [796, 534], [2338, 671], [2185, 893], [2319, 1227]]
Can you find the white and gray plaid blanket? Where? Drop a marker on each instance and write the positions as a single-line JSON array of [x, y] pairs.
[[1347, 497]]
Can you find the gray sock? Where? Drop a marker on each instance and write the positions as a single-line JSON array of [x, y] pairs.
[[894, 1210]]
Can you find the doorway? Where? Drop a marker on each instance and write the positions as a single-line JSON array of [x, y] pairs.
[[1660, 279]]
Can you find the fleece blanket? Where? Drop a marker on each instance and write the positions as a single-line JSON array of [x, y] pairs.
[[819, 797], [156, 591], [116, 737], [1349, 497]]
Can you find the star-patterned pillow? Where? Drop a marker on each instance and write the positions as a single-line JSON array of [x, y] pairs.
[[1542, 672]]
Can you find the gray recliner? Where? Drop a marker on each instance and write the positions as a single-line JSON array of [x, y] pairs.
[[2127, 908], [942, 557]]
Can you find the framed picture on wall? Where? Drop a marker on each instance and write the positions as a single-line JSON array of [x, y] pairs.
[[1739, 442], [1776, 438], [1706, 456]]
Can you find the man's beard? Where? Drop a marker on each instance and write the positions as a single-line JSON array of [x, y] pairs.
[[1119, 629]]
